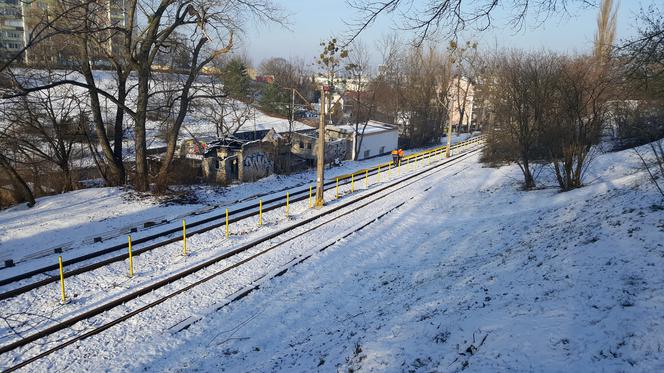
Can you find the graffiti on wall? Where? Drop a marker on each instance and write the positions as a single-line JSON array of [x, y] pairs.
[[336, 150], [257, 165]]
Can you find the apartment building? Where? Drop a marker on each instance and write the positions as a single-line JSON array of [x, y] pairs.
[[19, 19], [11, 28]]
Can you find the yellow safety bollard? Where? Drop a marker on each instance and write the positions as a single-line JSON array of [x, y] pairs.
[[260, 212], [352, 183], [310, 203], [366, 179], [337, 190], [399, 167], [379, 173], [63, 298], [226, 223], [184, 237], [131, 259], [287, 204]]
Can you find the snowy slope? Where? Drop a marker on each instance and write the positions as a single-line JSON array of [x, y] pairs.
[[469, 273], [494, 280]]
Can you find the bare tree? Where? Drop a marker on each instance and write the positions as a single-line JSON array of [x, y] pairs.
[[606, 32], [425, 77], [45, 127], [132, 47], [464, 58], [573, 127], [519, 95], [20, 187], [451, 16], [644, 122], [389, 79], [362, 93]]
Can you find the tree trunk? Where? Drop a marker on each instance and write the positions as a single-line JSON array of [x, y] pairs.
[[18, 182], [67, 182], [116, 176], [528, 179], [141, 181], [119, 127]]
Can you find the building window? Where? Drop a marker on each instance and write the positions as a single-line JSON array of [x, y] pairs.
[[301, 144], [366, 153], [309, 145], [382, 150]]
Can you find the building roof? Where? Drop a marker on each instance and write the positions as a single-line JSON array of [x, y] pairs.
[[265, 122], [372, 127]]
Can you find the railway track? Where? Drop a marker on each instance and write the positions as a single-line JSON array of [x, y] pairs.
[[79, 265], [344, 208]]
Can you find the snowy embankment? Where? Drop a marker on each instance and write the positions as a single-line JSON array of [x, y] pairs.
[[469, 273], [473, 273]]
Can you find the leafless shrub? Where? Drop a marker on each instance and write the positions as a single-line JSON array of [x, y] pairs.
[[573, 124], [518, 87]]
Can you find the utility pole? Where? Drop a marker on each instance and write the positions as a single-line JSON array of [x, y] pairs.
[[449, 136], [449, 112], [290, 128], [320, 157], [292, 118]]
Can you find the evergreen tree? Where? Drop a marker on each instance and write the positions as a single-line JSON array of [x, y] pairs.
[[275, 100], [235, 78]]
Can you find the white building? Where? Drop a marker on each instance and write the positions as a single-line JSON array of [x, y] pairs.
[[376, 139], [461, 95], [345, 84]]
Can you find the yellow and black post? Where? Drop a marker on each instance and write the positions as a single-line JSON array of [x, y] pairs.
[[226, 223], [260, 212], [184, 237], [131, 259], [63, 297]]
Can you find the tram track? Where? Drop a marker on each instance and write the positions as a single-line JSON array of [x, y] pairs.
[[200, 226], [353, 205]]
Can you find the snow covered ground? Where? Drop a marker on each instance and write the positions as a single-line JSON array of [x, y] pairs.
[[469, 272]]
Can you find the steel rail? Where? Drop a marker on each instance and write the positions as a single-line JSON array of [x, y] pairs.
[[234, 216]]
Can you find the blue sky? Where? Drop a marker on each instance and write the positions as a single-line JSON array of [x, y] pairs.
[[312, 21]]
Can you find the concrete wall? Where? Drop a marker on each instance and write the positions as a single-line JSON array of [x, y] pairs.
[[377, 143], [304, 146], [256, 161], [337, 149], [217, 170]]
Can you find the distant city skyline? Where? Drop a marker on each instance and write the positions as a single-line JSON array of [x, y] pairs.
[[309, 24]]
